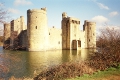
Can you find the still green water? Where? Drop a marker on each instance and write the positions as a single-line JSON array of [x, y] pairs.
[[23, 63]]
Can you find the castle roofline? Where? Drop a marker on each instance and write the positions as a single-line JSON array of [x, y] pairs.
[[42, 10], [72, 18], [6, 23], [92, 22], [17, 18]]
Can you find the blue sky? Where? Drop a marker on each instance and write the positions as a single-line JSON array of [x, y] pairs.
[[101, 11]]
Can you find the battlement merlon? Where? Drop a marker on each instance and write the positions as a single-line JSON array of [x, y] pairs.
[[86, 22], [64, 16], [45, 9], [6, 24], [42, 10], [18, 19], [72, 20], [91, 22], [22, 17]]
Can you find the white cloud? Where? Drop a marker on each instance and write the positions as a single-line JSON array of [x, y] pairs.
[[14, 11], [100, 19], [113, 13], [22, 2], [102, 6]]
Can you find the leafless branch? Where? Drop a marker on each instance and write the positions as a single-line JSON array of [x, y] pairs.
[[3, 14]]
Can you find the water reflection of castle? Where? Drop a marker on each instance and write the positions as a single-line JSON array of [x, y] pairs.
[[39, 61], [43, 60], [37, 36]]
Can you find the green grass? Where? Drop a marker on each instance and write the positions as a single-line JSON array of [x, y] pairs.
[[99, 74]]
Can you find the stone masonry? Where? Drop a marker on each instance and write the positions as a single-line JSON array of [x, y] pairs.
[[37, 36]]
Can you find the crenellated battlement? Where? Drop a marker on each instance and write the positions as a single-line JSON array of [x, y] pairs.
[[64, 15], [42, 10], [45, 9], [70, 19], [91, 23], [6, 25], [86, 22]]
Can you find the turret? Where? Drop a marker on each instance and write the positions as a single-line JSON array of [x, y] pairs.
[[37, 30], [17, 26], [90, 34], [6, 43], [70, 32], [85, 24], [64, 15], [23, 27]]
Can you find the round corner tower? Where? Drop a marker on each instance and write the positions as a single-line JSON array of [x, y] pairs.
[[23, 27], [6, 43], [37, 30], [6, 31], [90, 34]]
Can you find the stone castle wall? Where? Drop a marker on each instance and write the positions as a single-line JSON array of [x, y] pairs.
[[90, 34], [37, 30], [82, 39], [17, 26], [6, 35], [23, 40], [55, 38], [37, 36], [72, 37], [74, 33], [6, 31]]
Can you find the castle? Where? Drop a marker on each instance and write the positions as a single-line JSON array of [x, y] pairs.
[[37, 36]]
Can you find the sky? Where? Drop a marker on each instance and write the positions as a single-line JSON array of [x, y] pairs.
[[103, 12]]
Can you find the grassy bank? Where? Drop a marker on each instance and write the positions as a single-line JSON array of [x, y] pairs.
[[109, 74]]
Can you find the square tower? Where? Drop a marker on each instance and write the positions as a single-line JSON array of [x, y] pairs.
[[70, 32]]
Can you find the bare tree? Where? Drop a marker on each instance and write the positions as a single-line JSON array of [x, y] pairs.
[[3, 17], [109, 40], [3, 13]]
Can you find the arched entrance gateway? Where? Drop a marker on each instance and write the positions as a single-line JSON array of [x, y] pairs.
[[76, 44]]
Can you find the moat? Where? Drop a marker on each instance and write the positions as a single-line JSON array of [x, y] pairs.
[[23, 63]]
